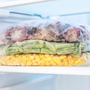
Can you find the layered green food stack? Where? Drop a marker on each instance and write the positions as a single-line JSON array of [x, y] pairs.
[[40, 46]]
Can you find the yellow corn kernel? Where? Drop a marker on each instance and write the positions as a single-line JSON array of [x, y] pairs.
[[62, 63], [31, 57], [47, 63], [66, 64], [45, 60], [59, 63], [29, 62], [75, 58], [55, 64], [46, 55], [62, 57], [42, 60], [65, 60], [69, 57], [52, 61], [76, 62], [34, 62], [38, 59], [71, 61]]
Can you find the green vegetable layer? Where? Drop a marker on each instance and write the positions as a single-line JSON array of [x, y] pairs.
[[39, 46]]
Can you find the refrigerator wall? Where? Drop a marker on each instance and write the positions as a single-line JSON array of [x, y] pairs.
[[73, 82], [56, 7], [23, 81]]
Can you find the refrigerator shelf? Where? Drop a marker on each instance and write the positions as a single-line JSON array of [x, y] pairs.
[[47, 70], [20, 2]]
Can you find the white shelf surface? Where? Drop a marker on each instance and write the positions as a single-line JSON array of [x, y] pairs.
[[47, 70], [20, 2]]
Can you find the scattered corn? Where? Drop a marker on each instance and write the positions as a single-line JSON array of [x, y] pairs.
[[41, 60]]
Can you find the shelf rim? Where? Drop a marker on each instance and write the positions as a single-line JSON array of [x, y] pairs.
[[47, 70]]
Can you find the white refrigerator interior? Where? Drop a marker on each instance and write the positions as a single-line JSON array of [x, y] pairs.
[[48, 79], [23, 81]]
